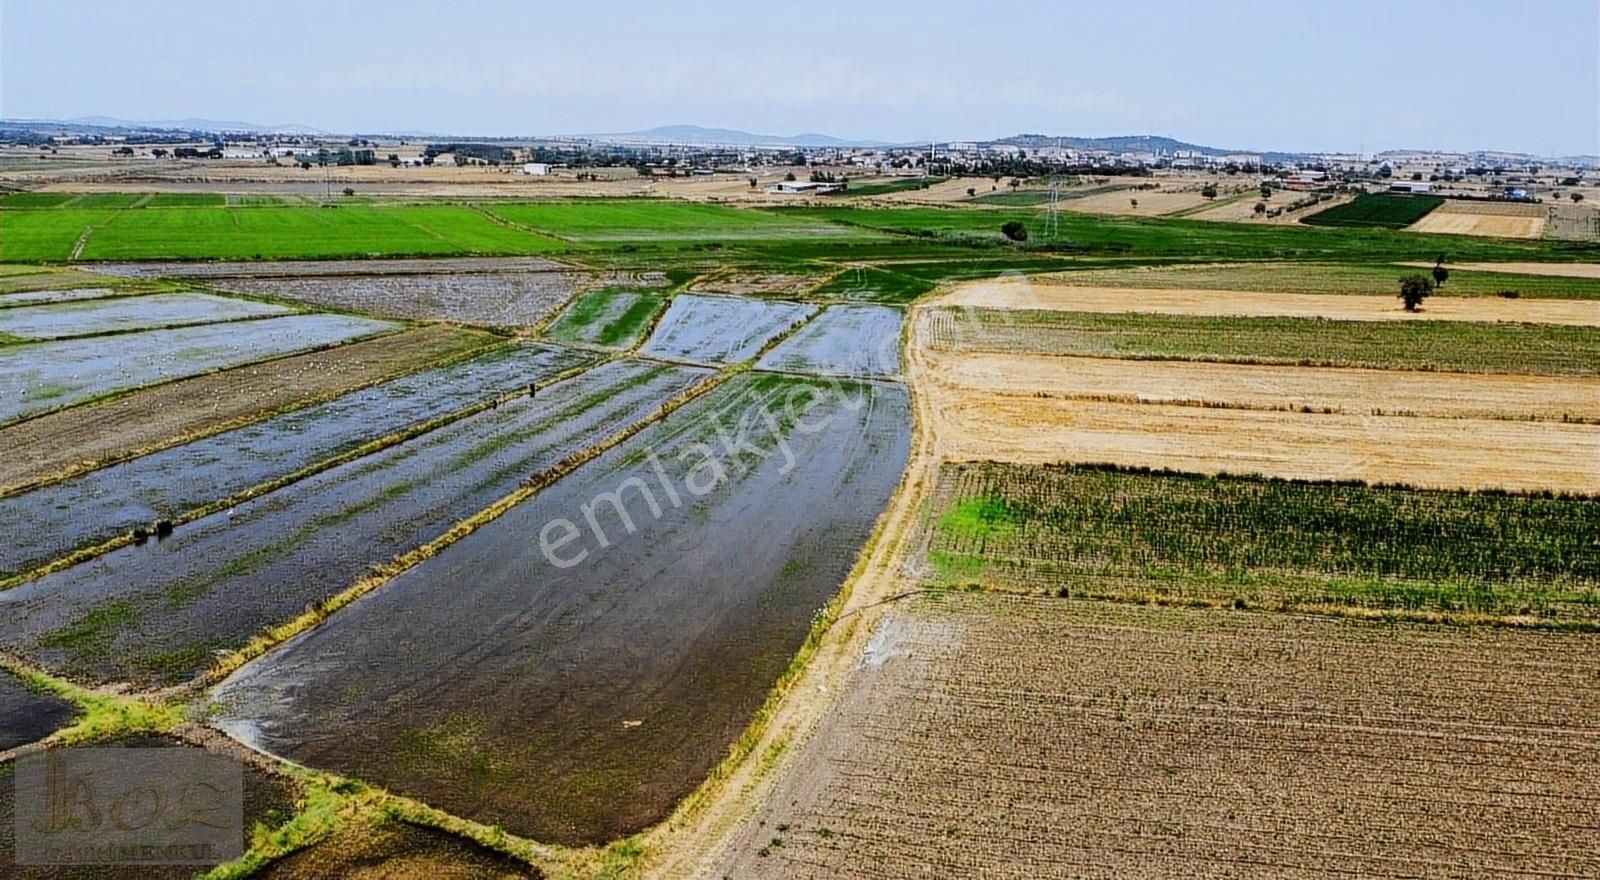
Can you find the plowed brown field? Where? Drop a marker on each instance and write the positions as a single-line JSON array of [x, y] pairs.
[[1002, 737]]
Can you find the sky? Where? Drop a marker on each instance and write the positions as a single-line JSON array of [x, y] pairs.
[[1313, 75]]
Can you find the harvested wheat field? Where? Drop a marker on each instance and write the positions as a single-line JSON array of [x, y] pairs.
[[1137, 203], [995, 736], [1051, 294], [82, 438], [1442, 453], [1249, 386], [1495, 219]]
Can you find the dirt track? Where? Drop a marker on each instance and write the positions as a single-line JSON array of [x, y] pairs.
[[82, 437], [1003, 737], [1044, 293]]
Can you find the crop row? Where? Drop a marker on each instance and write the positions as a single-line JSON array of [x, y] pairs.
[[1101, 529]]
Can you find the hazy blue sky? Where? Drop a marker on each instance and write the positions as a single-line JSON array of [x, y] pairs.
[[1460, 74]]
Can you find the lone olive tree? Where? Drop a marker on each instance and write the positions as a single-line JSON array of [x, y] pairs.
[[1014, 230], [1414, 289], [1440, 273]]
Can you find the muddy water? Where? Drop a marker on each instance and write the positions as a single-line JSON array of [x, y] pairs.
[[861, 341], [27, 716], [223, 578], [575, 704], [44, 375], [63, 319], [721, 329], [54, 520]]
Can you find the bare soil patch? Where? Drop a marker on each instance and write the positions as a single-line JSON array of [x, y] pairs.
[[73, 440], [1003, 737], [1048, 293]]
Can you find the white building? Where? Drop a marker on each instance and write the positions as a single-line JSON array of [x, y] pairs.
[[537, 169], [803, 187]]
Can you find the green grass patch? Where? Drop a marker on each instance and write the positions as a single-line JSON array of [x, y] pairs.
[[1384, 210], [885, 187], [873, 285], [1452, 346]]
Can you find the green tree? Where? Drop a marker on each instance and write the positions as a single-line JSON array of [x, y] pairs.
[[1210, 191], [1014, 230], [1414, 289], [1440, 273], [1261, 208]]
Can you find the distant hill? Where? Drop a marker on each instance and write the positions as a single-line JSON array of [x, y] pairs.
[[1121, 144]]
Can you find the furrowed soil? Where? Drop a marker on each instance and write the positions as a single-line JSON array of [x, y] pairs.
[[578, 704], [67, 319], [28, 716], [144, 421], [1031, 294], [40, 376], [269, 801], [156, 614], [721, 329], [846, 340], [1003, 737], [102, 504]]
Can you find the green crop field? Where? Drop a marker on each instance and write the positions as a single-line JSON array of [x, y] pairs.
[[1101, 530], [621, 220], [1176, 238], [1380, 209], [1455, 346], [884, 187]]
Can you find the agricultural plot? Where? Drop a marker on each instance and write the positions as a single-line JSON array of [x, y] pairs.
[[1380, 210], [577, 704], [518, 300], [623, 220], [868, 284], [1027, 294], [41, 376], [100, 505], [846, 340], [607, 318], [325, 268], [27, 715], [1497, 219], [722, 329], [79, 438], [35, 297], [1102, 531], [156, 614], [1010, 738], [268, 803], [1318, 390], [1527, 280], [1451, 346], [156, 310]]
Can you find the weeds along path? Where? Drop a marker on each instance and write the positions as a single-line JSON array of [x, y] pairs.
[[696, 838]]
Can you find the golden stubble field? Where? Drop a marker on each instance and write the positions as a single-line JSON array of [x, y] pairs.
[[994, 736], [1495, 219]]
